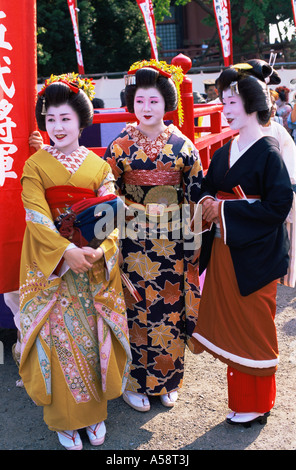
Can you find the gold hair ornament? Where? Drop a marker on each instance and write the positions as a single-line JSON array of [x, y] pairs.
[[74, 82], [240, 68]]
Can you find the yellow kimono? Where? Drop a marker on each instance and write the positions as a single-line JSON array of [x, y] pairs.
[[75, 347]]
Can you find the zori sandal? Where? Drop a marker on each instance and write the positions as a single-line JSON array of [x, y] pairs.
[[169, 399], [138, 401], [96, 433], [70, 440]]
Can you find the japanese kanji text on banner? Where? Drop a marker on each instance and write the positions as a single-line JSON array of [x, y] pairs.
[[223, 20], [18, 90], [146, 8], [294, 11], [73, 14]]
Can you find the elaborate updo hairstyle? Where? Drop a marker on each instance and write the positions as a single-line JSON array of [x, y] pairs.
[[253, 91], [150, 78], [59, 93], [264, 72]]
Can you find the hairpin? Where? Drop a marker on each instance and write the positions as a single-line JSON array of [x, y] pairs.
[[272, 58], [43, 111], [234, 88], [130, 80]]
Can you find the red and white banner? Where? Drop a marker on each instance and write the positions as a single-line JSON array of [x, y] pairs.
[[146, 8], [72, 4], [223, 20], [294, 11], [18, 92]]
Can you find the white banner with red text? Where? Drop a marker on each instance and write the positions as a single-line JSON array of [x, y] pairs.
[[294, 11], [72, 4], [146, 8], [223, 19], [18, 92]]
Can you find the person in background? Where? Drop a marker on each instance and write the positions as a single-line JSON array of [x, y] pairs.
[[273, 127], [97, 103], [210, 90], [157, 170], [74, 337], [122, 99], [291, 121], [246, 197], [286, 144], [283, 105]]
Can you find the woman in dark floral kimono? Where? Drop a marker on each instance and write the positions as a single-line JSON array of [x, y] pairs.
[[158, 171]]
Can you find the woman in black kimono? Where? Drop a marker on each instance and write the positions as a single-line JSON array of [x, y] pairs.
[[246, 197]]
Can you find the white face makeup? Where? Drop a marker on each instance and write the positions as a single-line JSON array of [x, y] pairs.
[[149, 107], [233, 109], [63, 127]]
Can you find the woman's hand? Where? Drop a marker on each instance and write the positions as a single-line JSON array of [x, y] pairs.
[[210, 210], [93, 255], [77, 260], [35, 140]]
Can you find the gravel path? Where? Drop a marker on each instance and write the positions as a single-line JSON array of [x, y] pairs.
[[197, 422]]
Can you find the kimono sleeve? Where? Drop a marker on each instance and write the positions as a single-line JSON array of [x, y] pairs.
[[110, 244], [43, 240], [242, 222], [113, 158], [192, 173]]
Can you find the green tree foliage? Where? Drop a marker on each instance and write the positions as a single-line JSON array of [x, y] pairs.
[[250, 19], [119, 35], [113, 33]]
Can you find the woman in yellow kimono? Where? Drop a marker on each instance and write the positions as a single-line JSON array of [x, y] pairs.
[[75, 348]]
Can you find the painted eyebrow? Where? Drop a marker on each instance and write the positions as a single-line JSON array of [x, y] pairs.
[[150, 97], [64, 114]]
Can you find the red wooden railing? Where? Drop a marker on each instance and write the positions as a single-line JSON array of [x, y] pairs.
[[206, 139]]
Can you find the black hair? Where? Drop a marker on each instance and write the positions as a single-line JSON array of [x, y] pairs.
[[150, 78], [98, 103], [254, 92], [263, 70], [59, 93]]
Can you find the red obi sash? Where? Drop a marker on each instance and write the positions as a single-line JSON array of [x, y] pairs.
[[238, 193], [152, 177], [65, 196], [60, 197]]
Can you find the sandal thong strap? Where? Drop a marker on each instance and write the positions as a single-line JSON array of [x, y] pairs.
[[68, 435], [96, 428]]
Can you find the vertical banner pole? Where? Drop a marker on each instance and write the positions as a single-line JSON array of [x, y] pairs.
[[223, 19], [18, 92], [72, 4], [294, 11], [146, 8]]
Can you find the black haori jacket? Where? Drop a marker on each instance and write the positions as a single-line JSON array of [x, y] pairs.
[[254, 231]]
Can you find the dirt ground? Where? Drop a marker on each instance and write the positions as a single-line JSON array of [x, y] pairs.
[[197, 422]]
